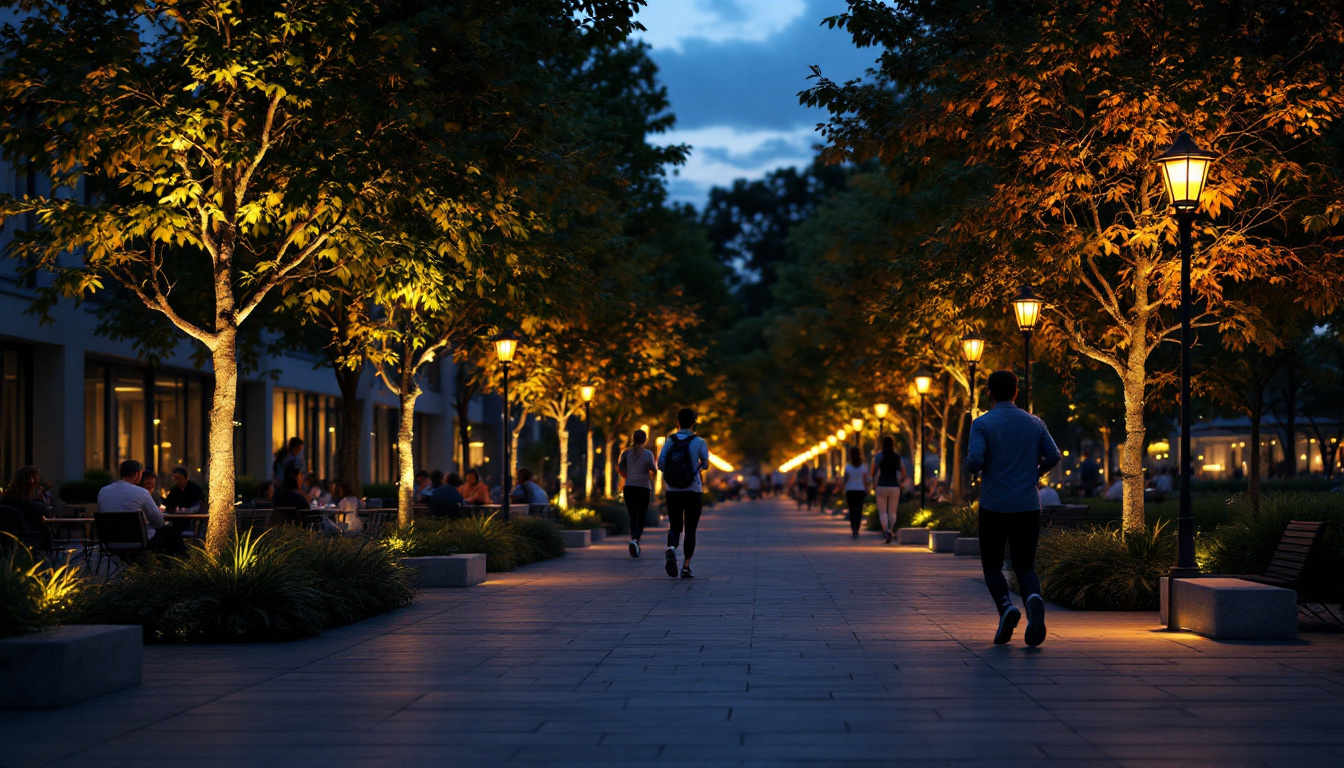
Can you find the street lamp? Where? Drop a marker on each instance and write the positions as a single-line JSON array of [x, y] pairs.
[[1027, 307], [923, 382], [973, 349], [506, 345], [586, 393], [1184, 168], [857, 424], [880, 411]]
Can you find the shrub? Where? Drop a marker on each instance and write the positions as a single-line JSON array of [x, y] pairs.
[[948, 518], [33, 595], [537, 538], [84, 491], [614, 515], [580, 519], [1248, 541], [486, 534], [358, 577], [253, 592], [1101, 569]]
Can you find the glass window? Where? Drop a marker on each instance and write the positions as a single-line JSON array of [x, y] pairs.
[[313, 418], [384, 444], [128, 394], [16, 408], [95, 416]]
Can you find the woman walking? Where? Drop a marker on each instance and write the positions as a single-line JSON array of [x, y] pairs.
[[857, 481], [637, 467], [890, 471]]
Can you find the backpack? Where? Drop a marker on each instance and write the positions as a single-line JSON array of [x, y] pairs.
[[680, 466]]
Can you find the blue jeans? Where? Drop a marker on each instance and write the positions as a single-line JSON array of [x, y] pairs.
[[1019, 531]]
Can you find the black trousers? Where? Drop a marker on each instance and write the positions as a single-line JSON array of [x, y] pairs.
[[637, 505], [1019, 531], [811, 495], [855, 500], [683, 512]]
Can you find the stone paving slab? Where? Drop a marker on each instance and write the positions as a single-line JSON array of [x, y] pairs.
[[794, 646]]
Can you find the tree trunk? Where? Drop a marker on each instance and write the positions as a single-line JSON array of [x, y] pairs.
[[613, 459], [1131, 451], [463, 436], [562, 426], [409, 391], [1105, 458], [589, 471], [959, 459], [221, 480], [943, 420], [352, 425], [1257, 403]]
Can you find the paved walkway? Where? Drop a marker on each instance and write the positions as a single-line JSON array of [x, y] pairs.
[[794, 646]]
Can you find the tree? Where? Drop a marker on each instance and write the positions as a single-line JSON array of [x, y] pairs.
[[1065, 106]]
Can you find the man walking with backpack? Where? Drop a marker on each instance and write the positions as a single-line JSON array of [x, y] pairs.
[[684, 457]]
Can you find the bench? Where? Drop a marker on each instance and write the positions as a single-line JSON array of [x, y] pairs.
[[1285, 568], [1228, 608]]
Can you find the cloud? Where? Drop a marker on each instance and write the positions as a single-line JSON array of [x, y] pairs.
[[672, 23], [723, 153], [733, 70]]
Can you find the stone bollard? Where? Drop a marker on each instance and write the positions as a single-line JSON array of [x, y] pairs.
[[67, 665], [446, 570]]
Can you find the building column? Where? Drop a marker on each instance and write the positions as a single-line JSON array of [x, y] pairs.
[[58, 406]]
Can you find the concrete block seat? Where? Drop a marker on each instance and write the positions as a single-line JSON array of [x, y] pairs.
[[577, 539], [67, 665], [446, 570], [967, 546], [916, 536], [1225, 608], [943, 541]]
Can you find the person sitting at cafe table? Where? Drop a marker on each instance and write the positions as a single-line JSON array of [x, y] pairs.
[[527, 490], [290, 499], [25, 493], [350, 504], [150, 482], [473, 490], [126, 495], [186, 495], [446, 498]]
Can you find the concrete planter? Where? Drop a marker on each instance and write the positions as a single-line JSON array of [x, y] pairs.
[[67, 665], [943, 541], [577, 539], [916, 536], [1232, 609], [446, 570], [966, 546], [598, 534]]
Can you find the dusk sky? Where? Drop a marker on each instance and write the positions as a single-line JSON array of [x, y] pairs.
[[733, 69]]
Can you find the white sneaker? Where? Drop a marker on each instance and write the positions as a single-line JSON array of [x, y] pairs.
[[634, 548]]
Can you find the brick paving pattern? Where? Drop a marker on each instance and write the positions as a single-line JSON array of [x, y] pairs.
[[795, 645]]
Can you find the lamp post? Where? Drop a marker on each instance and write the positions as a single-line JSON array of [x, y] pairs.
[[923, 382], [857, 424], [1027, 307], [973, 349], [831, 442], [586, 392], [880, 411], [1184, 168], [506, 345]]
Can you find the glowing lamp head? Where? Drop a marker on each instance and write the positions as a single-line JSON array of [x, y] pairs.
[[586, 392], [923, 381], [1185, 168], [856, 423], [1027, 307], [973, 347], [506, 345], [840, 434], [831, 441], [880, 410]]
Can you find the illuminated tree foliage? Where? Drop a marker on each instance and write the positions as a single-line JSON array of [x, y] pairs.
[[261, 142], [1063, 106]]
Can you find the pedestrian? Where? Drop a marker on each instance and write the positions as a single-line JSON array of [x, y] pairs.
[[857, 481], [799, 486], [777, 481], [754, 486], [1011, 449], [889, 468], [814, 481], [289, 456], [1090, 472], [684, 457], [637, 468]]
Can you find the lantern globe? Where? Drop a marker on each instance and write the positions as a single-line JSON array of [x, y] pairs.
[[923, 381], [973, 347], [1185, 168], [880, 410], [840, 434], [831, 441], [1027, 308], [586, 392], [506, 346], [856, 423]]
